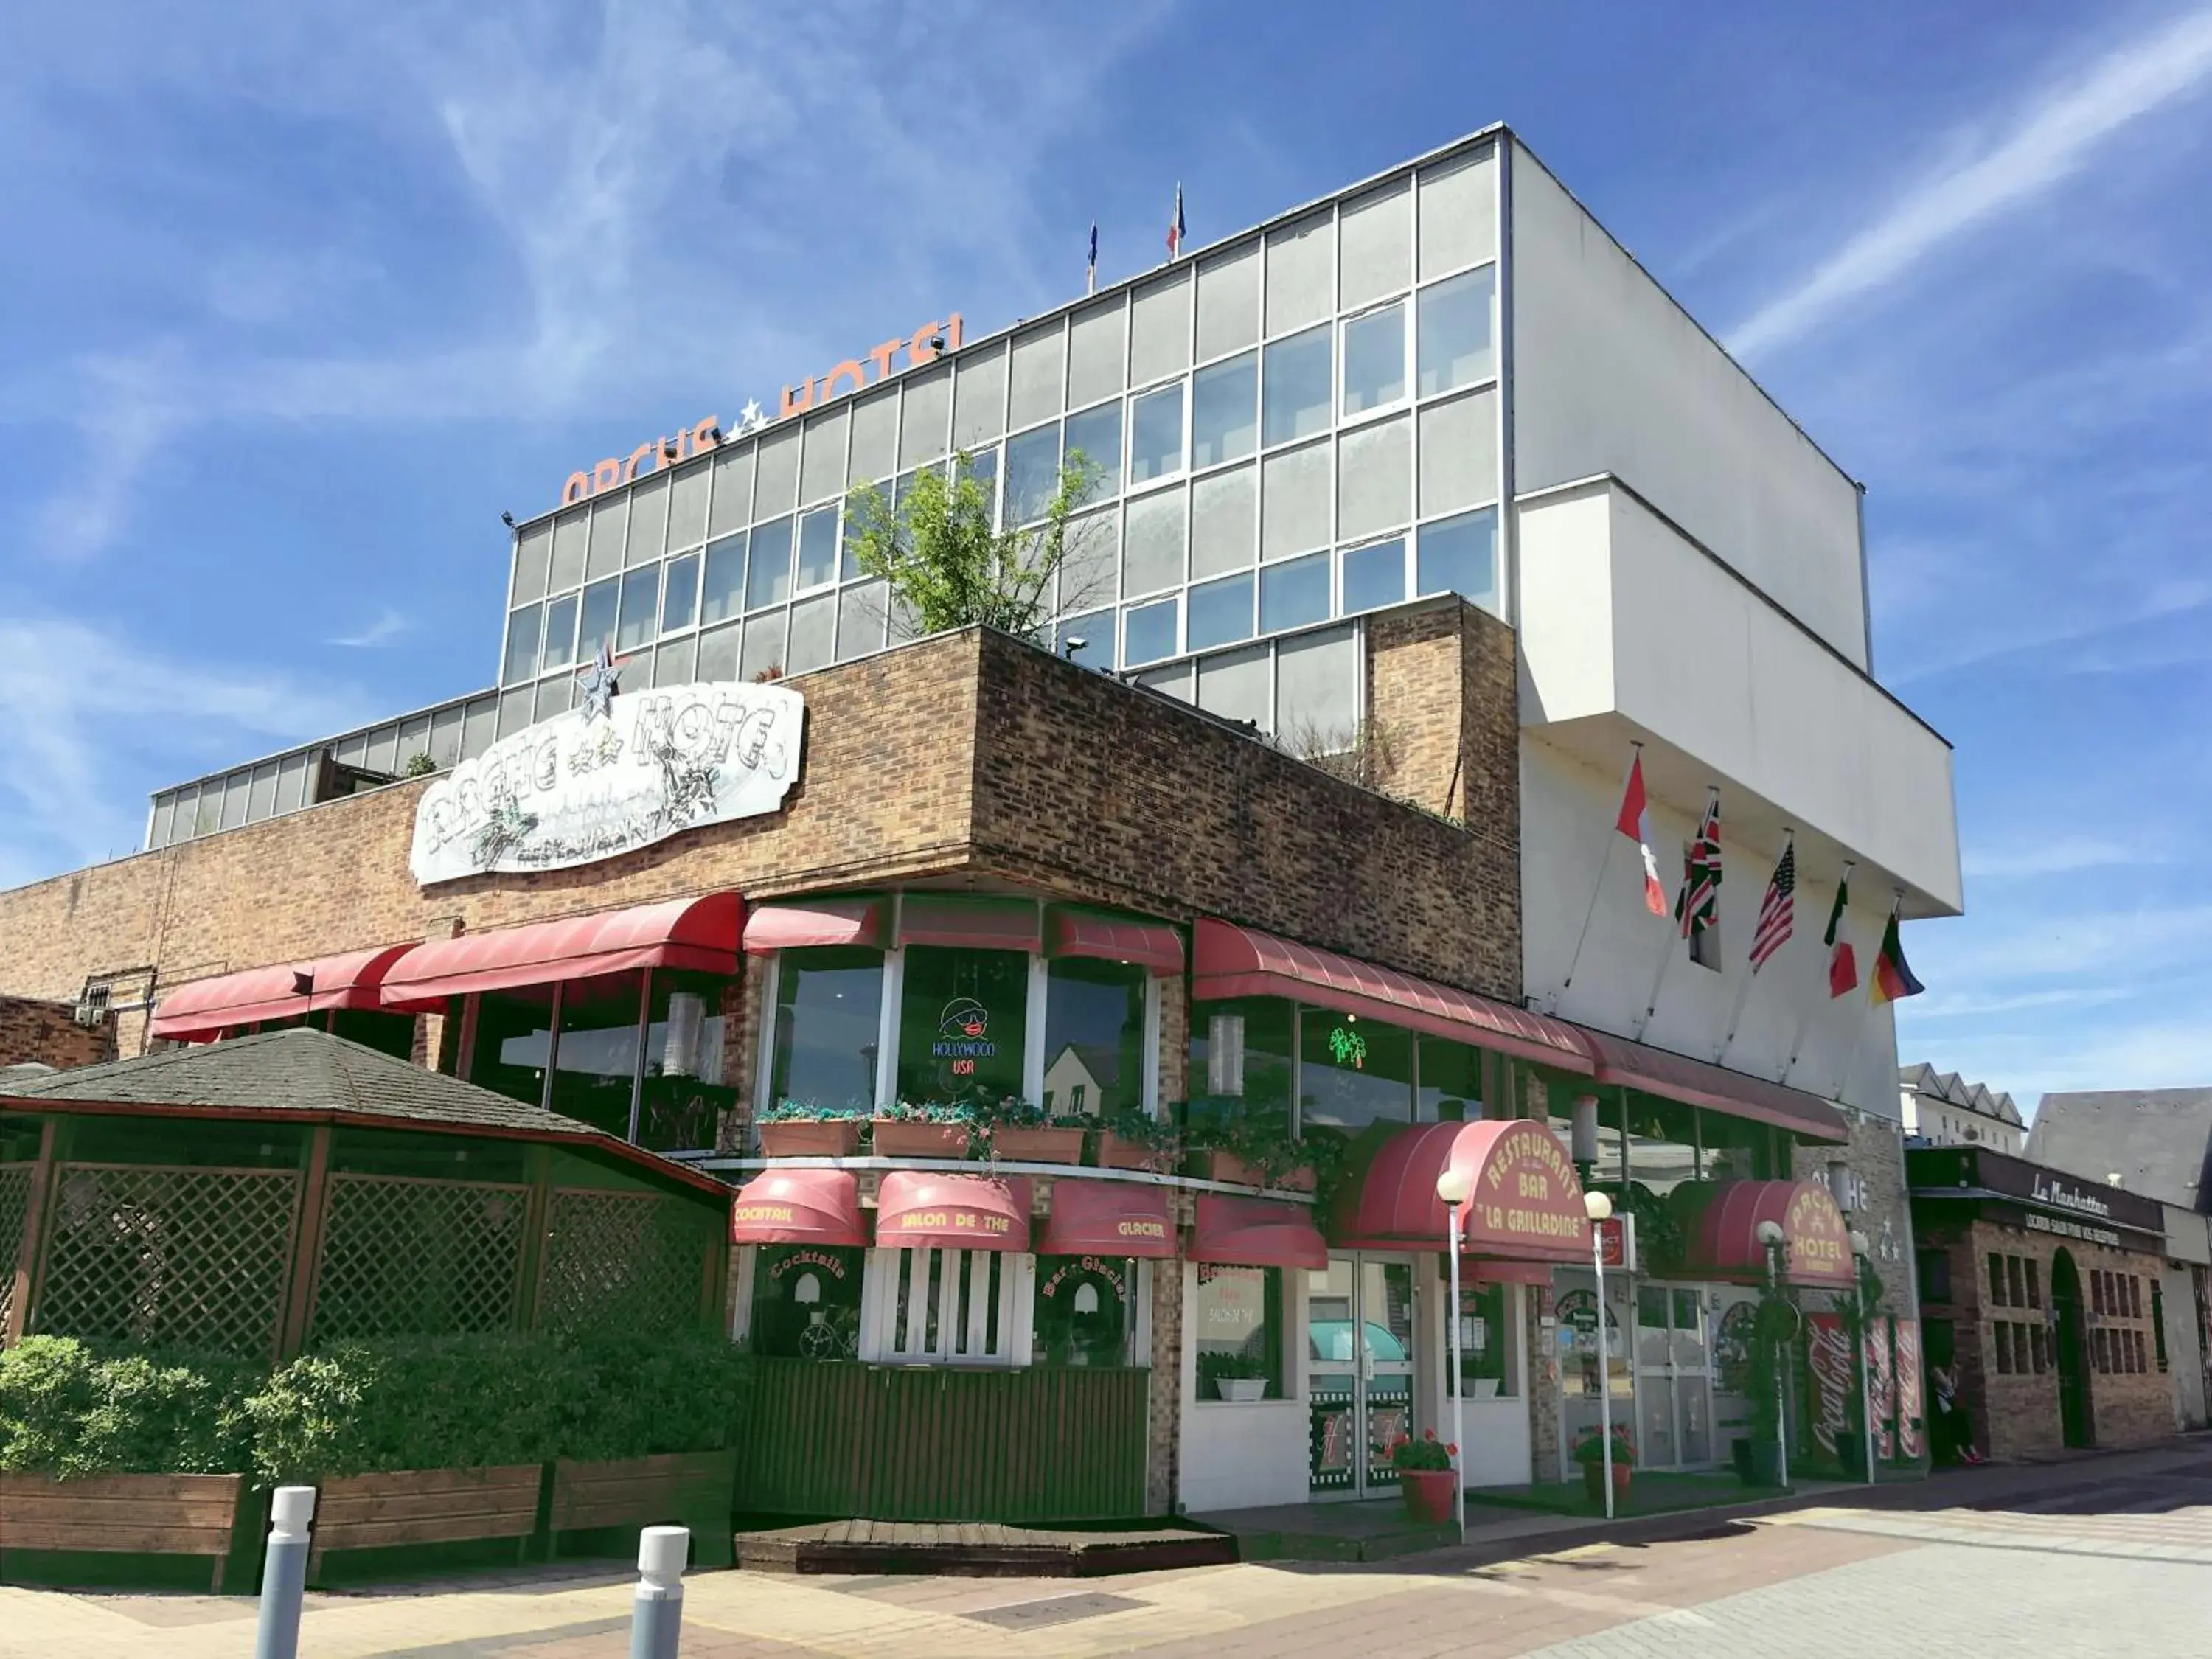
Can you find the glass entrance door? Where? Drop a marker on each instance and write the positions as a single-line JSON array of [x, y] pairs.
[[1674, 1376], [1359, 1365], [1582, 1394]]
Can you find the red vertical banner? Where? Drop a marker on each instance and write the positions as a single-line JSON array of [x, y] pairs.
[[1909, 1408], [1882, 1383], [1828, 1351]]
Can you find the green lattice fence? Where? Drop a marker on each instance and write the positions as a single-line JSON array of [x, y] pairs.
[[632, 1258], [410, 1255], [15, 1205], [167, 1257]]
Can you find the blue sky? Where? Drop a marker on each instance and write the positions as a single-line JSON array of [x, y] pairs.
[[294, 306]]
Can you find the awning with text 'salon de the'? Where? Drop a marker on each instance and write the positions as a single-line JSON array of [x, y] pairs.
[[799, 1206], [916, 1210], [1107, 1218], [1525, 1201], [1720, 1221]]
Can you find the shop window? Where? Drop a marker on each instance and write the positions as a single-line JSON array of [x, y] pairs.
[[1997, 1281], [1451, 1082], [1737, 1149], [1238, 1316], [2039, 1350], [962, 1022], [1240, 1061], [2016, 1282], [1355, 1071], [1661, 1144], [1934, 1275], [2003, 1334], [686, 1089], [1489, 1340], [1087, 1311], [2157, 1323], [2034, 1284], [597, 1056], [513, 1034], [829, 1008], [1094, 1035], [806, 1302], [950, 1307]]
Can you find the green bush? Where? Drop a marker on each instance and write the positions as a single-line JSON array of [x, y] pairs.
[[68, 1410]]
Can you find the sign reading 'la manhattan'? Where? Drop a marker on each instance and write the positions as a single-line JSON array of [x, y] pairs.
[[587, 784]]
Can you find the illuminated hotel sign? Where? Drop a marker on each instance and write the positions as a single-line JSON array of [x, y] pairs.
[[922, 346]]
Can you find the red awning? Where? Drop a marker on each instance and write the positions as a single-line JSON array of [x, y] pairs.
[[1507, 1273], [1257, 1232], [979, 923], [917, 1210], [698, 933], [1720, 1222], [1677, 1076], [1524, 1202], [1107, 1218], [207, 1006], [1242, 961], [1072, 931], [861, 921], [799, 1206]]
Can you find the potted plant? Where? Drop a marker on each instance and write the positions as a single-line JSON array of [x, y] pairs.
[[1234, 1375], [800, 1128], [1132, 1139], [1425, 1474], [1253, 1154], [1767, 1351], [1022, 1133], [1589, 1452], [914, 1129]]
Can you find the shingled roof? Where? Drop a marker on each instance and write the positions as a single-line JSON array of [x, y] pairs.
[[2157, 1141], [303, 1073]]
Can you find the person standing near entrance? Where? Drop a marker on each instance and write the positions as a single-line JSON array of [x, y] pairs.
[[1954, 1429]]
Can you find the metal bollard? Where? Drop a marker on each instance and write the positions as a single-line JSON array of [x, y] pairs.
[[284, 1574], [657, 1614]]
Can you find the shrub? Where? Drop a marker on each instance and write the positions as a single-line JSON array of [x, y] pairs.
[[1427, 1453], [68, 1411]]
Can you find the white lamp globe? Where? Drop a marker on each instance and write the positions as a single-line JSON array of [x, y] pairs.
[[1597, 1206], [1453, 1186]]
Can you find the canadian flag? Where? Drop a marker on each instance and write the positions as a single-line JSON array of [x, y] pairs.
[[1635, 822]]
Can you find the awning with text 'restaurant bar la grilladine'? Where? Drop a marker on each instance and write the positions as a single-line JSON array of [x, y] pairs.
[[1525, 1201], [918, 1211], [813, 922], [1257, 1232], [1107, 1218], [1677, 1076], [700, 933], [1720, 1222], [207, 1007], [1073, 930], [799, 1206], [1243, 962]]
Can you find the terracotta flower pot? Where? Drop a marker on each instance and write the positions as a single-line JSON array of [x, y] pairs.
[[900, 1138], [1211, 1164], [1115, 1153], [1594, 1482], [1046, 1145], [829, 1137], [1428, 1495]]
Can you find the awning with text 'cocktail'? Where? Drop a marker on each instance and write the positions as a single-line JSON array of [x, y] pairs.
[[800, 1207]]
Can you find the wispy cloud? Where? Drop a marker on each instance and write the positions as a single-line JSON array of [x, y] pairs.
[[388, 627], [2050, 144], [2062, 854]]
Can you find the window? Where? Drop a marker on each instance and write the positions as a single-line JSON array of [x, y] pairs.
[[1459, 555], [2034, 1285], [1453, 325], [806, 1302], [1148, 632], [2020, 1360], [1374, 575], [522, 635], [609, 516], [569, 531], [1224, 399], [2003, 1333], [1238, 1316], [1096, 436], [1459, 453], [1229, 301], [1032, 473], [981, 465], [2135, 1297], [641, 608], [2101, 1348], [962, 1024], [768, 578], [1451, 1082], [956, 1306], [1374, 483], [2039, 1351], [1152, 553], [1240, 1061], [1294, 506], [1156, 434], [679, 597], [1375, 359], [1488, 1341], [1096, 350], [1224, 512], [1089, 1311], [1934, 1276], [560, 633], [2157, 1323], [1294, 399], [829, 1005], [1220, 613], [1094, 1034], [721, 592], [1294, 593], [817, 548], [1354, 1073], [601, 601], [1996, 1280], [1661, 1144], [1086, 640], [2016, 1282], [532, 552]]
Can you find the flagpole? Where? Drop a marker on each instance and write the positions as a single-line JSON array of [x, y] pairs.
[[1651, 1002], [1797, 1040], [1751, 968], [1597, 887], [1866, 1015]]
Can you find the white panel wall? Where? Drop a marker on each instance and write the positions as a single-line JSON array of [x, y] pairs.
[[1237, 1456], [1611, 375]]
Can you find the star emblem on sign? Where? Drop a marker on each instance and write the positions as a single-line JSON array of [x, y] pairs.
[[600, 683], [754, 417]]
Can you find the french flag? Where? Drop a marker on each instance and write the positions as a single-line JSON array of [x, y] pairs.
[[1176, 227]]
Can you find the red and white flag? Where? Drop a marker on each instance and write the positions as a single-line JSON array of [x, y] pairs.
[[1635, 822]]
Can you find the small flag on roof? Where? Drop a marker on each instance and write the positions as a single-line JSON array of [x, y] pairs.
[[1090, 282], [1175, 226]]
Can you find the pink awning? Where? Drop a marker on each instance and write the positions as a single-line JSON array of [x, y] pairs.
[[1107, 1218], [918, 1210], [979, 923], [1677, 1076], [229, 1001], [1257, 1232], [1072, 931], [1720, 1222], [1243, 962], [799, 1206], [1524, 1202], [696, 933], [850, 921]]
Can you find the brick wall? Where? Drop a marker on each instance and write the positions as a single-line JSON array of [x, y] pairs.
[[47, 1033], [1875, 1154]]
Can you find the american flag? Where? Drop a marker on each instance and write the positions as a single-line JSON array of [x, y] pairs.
[[1778, 911]]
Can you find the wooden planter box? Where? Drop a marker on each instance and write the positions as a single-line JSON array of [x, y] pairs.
[[426, 1506], [190, 1515], [1214, 1164], [1115, 1153], [898, 1138], [688, 1489], [833, 1137], [1038, 1145]]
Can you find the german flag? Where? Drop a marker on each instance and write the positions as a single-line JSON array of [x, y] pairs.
[[1892, 980]]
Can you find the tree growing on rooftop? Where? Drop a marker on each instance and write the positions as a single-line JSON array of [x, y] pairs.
[[946, 566]]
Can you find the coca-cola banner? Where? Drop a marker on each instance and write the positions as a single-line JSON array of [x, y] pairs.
[[1881, 1379], [1908, 1387], [1828, 1350]]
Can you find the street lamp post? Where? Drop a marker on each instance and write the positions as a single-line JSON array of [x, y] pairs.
[[1453, 1186], [1599, 1208], [1769, 1234], [1861, 1247]]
